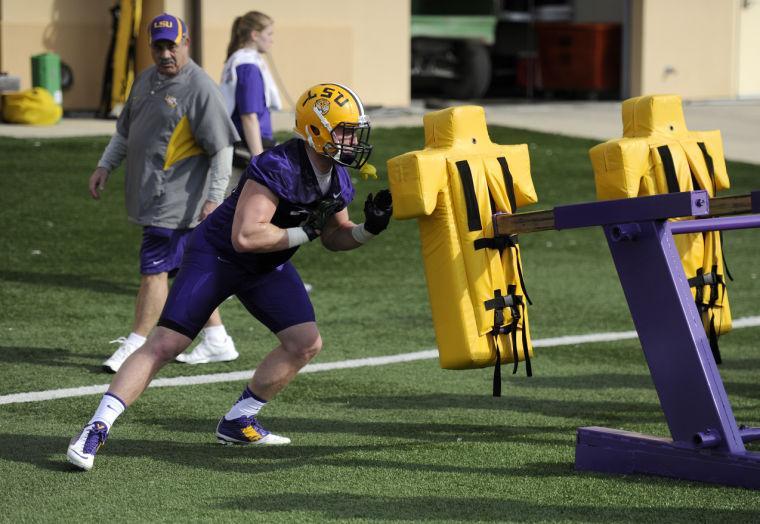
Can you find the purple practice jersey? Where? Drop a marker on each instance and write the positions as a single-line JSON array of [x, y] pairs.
[[287, 172], [250, 98]]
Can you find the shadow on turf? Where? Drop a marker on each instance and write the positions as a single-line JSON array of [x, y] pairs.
[[442, 432], [592, 381], [54, 357], [277, 459], [46, 452], [742, 364], [465, 507], [618, 381], [49, 453], [69, 281], [604, 412]]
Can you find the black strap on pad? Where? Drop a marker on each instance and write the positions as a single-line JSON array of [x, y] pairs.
[[670, 169], [470, 198]]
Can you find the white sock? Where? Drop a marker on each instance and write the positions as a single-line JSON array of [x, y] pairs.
[[215, 334], [248, 407], [137, 340], [109, 410]]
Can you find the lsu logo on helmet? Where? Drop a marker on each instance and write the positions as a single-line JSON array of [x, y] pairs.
[[322, 105]]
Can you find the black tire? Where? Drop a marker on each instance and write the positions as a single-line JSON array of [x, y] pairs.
[[473, 71], [67, 77]]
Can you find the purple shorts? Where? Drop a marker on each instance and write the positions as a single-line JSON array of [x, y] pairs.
[[276, 298], [162, 249]]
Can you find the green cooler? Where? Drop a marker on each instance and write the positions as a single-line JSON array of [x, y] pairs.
[[46, 72]]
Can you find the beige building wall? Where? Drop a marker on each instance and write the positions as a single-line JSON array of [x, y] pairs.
[[688, 47], [78, 30], [749, 50], [363, 43]]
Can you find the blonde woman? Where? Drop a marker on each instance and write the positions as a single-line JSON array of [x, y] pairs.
[[249, 90]]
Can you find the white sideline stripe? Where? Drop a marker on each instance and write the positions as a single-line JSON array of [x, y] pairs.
[[746, 322], [584, 339], [38, 396]]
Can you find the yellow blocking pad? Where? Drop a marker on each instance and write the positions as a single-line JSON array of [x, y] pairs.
[[123, 66], [658, 154], [453, 186], [34, 106]]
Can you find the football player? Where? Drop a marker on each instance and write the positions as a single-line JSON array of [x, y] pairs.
[[288, 196]]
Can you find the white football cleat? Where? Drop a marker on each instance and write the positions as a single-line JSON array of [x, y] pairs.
[[206, 352], [85, 444], [246, 430], [115, 361]]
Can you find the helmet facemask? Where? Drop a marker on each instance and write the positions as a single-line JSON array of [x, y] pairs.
[[350, 144]]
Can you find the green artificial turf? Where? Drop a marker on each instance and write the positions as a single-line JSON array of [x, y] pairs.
[[400, 442]]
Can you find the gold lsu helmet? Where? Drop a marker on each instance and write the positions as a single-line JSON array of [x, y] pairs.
[[331, 118]]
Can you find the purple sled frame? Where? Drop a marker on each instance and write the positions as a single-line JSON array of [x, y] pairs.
[[706, 444]]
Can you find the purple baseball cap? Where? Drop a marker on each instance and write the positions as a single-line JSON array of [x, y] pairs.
[[167, 27]]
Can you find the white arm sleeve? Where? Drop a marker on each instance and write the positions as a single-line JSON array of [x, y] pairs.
[[296, 236], [360, 234], [219, 170], [114, 154]]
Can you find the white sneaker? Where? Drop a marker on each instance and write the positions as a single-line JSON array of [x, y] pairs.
[[206, 352], [126, 348], [85, 444]]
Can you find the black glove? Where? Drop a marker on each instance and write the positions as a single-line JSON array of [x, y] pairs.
[[318, 217], [377, 211]]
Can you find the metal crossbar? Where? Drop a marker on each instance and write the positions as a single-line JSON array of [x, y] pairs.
[[671, 207]]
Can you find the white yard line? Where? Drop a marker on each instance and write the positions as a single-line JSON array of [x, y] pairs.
[[39, 396]]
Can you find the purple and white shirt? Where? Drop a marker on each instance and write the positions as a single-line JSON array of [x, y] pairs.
[[248, 87]]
